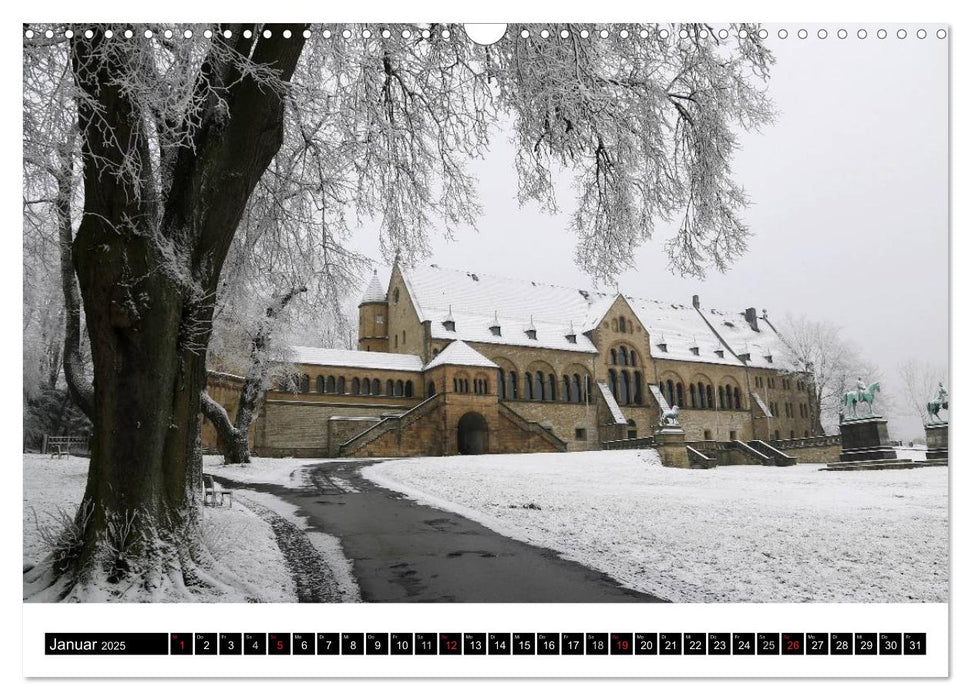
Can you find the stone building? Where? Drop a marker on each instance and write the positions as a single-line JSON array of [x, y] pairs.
[[457, 362]]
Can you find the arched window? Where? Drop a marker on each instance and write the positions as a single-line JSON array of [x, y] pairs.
[[721, 397], [330, 386], [633, 358], [680, 394], [502, 383], [341, 385], [551, 387], [612, 382], [399, 388], [528, 386], [431, 388], [565, 394], [623, 354], [576, 389], [670, 396], [623, 324], [355, 386], [395, 295], [638, 391], [376, 386], [409, 389], [613, 356], [366, 387], [513, 385], [305, 384], [694, 395], [389, 388], [624, 397], [738, 399], [320, 384], [539, 387], [776, 434], [709, 396]]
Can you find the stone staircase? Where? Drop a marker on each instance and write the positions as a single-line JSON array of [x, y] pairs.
[[398, 422], [532, 426], [700, 460], [780, 458]]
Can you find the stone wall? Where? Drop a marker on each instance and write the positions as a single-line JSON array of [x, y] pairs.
[[563, 419], [721, 426], [406, 334], [302, 428]]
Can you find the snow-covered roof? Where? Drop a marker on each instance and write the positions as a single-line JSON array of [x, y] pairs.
[[375, 291], [612, 404], [680, 328], [477, 300], [460, 353], [335, 357], [760, 345]]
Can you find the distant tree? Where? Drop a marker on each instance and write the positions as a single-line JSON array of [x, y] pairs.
[[918, 383], [819, 351], [176, 136]]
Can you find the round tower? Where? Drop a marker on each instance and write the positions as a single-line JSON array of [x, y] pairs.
[[372, 333]]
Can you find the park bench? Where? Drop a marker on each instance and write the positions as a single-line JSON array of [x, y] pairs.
[[58, 451], [214, 491]]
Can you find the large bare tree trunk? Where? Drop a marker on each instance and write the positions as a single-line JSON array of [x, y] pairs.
[[147, 265]]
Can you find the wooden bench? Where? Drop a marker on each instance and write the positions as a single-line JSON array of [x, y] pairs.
[[214, 491]]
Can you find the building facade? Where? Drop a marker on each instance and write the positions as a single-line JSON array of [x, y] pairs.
[[457, 362]]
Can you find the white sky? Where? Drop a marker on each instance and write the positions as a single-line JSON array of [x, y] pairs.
[[849, 208]]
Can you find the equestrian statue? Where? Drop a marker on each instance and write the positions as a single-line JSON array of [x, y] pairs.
[[937, 404], [862, 394]]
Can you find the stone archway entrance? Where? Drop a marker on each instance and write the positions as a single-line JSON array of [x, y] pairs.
[[473, 434]]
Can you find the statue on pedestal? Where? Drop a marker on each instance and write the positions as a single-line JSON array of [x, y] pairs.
[[938, 403]]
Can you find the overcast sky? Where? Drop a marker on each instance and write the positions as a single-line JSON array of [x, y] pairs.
[[849, 212]]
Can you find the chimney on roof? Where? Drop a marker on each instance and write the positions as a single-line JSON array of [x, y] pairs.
[[696, 301], [751, 317]]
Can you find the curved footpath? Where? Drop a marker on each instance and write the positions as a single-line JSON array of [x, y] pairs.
[[402, 551]]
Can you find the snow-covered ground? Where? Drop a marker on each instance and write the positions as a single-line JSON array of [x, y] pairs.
[[285, 471], [239, 539], [731, 534]]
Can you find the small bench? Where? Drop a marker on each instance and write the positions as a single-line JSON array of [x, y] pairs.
[[58, 451], [214, 491]]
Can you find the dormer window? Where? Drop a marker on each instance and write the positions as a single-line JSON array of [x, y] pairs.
[[695, 350], [768, 358], [720, 352], [495, 328], [531, 333], [663, 347], [449, 325], [571, 338]]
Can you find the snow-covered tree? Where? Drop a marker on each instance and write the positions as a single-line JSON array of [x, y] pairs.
[[179, 142], [918, 385]]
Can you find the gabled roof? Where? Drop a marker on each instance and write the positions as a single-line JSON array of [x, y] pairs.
[[375, 291], [760, 345], [336, 357], [680, 328], [460, 353], [477, 300]]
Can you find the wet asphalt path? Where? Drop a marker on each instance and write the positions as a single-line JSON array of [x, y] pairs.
[[405, 552]]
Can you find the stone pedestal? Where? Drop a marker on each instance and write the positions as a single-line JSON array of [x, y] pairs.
[[865, 440], [936, 440], [671, 447]]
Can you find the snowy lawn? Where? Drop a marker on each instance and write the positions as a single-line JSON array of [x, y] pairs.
[[238, 539], [730, 534]]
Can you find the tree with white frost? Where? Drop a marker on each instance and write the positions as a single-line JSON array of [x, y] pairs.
[[818, 350], [178, 139], [918, 383]]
